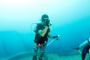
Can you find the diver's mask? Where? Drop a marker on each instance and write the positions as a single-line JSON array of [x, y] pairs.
[[48, 22], [45, 19]]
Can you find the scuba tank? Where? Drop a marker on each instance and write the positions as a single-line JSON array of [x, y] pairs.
[[86, 42]]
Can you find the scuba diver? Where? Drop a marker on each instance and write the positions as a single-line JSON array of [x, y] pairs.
[[84, 49], [42, 32]]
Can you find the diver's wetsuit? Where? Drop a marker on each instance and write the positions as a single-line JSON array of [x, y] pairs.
[[40, 40], [85, 51]]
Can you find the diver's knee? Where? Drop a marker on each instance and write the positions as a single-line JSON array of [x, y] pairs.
[[42, 54]]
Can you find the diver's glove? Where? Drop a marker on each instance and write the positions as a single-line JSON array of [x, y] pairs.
[[56, 37], [47, 23]]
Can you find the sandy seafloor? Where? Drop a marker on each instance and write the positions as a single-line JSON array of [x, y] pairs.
[[49, 56]]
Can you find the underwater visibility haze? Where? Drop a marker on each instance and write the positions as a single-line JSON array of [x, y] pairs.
[[70, 20]]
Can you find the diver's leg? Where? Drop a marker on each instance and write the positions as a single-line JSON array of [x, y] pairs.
[[83, 56], [35, 49], [42, 50]]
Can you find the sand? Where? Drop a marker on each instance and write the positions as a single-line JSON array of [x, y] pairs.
[[50, 57]]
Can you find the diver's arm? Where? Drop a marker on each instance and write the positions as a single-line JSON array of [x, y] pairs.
[[50, 36], [54, 37], [43, 32]]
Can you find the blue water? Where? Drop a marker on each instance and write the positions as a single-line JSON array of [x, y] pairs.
[[70, 19]]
